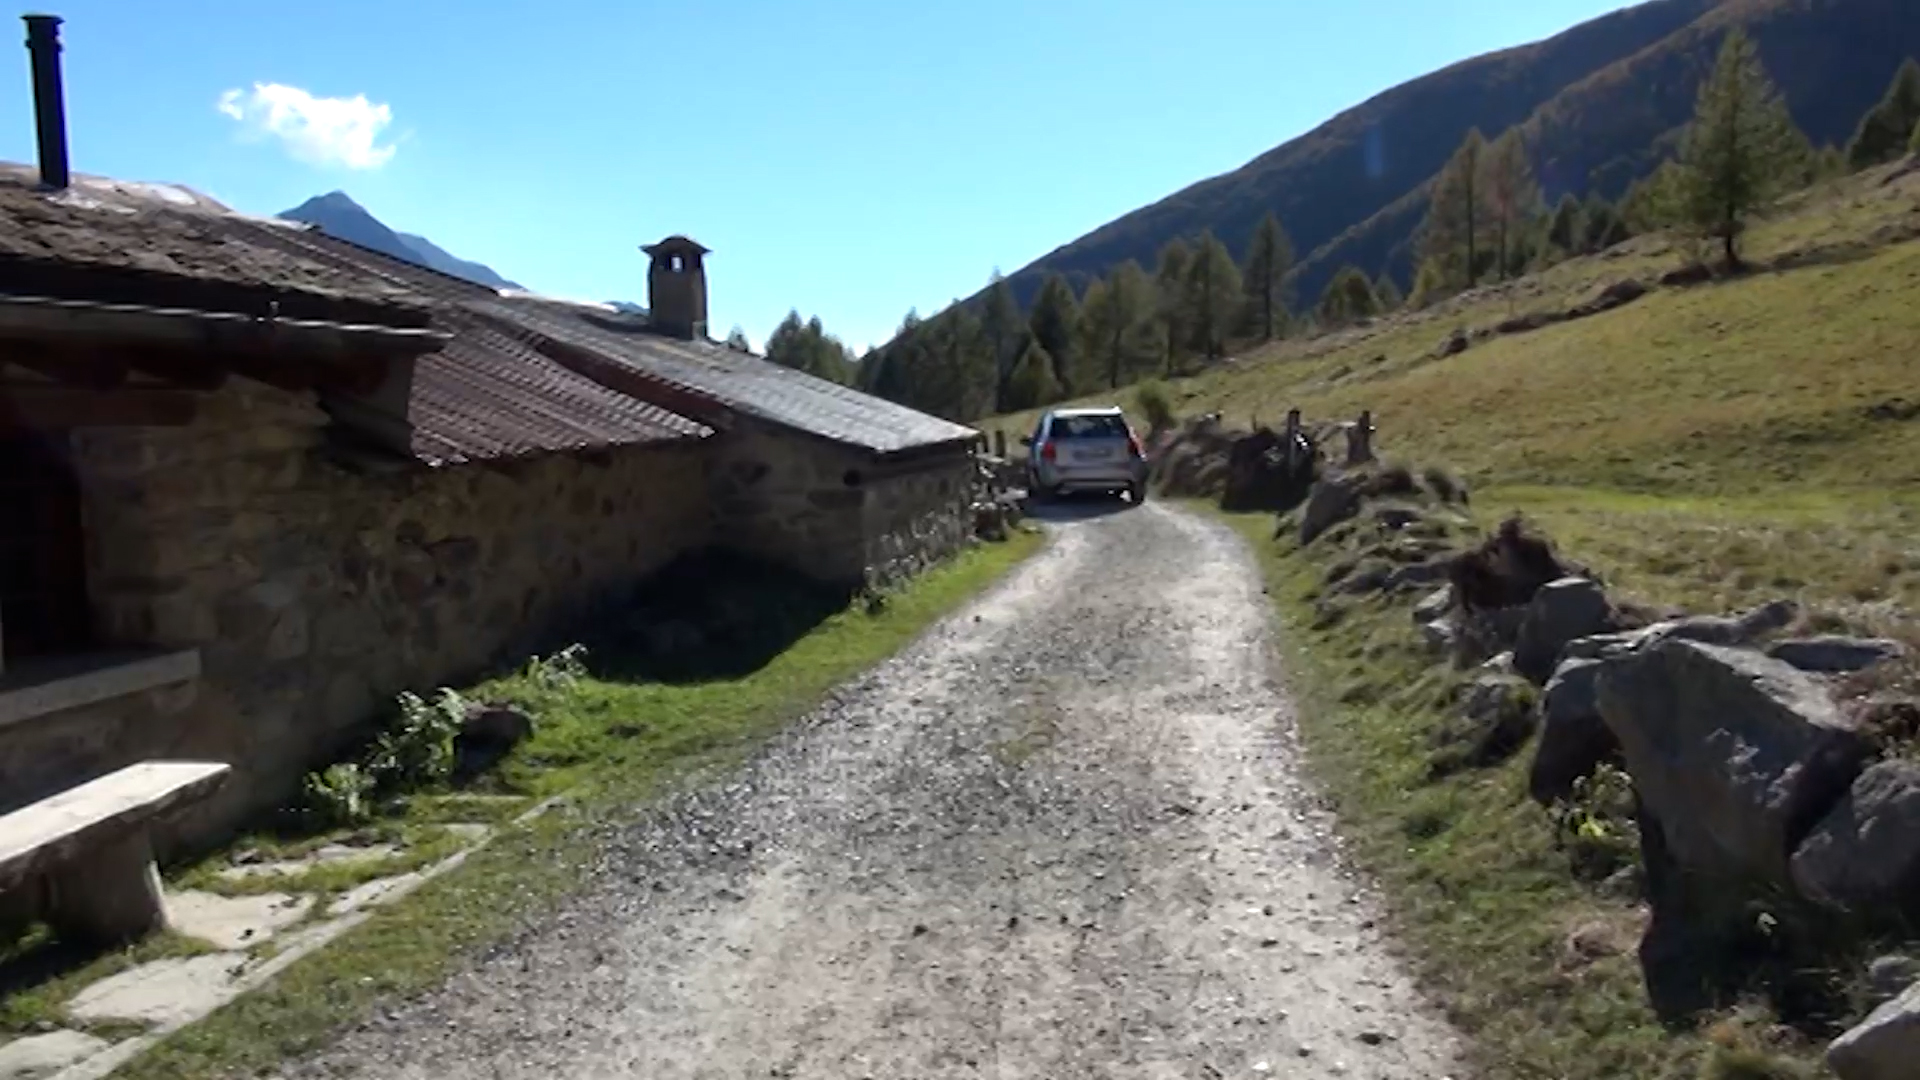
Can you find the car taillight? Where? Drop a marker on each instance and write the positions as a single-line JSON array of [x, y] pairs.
[[1133, 445], [1047, 451]]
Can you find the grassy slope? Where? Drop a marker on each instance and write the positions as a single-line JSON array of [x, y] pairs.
[[1704, 447], [609, 745], [1707, 448]]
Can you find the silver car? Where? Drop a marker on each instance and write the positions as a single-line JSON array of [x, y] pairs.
[[1086, 450]]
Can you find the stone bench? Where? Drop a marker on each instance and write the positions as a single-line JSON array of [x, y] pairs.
[[89, 847]]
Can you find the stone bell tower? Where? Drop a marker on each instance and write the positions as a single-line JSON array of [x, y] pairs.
[[677, 287]]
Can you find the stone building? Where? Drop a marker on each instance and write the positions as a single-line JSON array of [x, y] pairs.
[[255, 480]]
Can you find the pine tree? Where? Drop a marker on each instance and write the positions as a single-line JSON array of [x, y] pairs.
[[1269, 259], [1031, 384], [1348, 298], [1054, 322], [1888, 127], [1742, 151], [1114, 317], [1213, 297], [1453, 235], [1512, 197], [1170, 295], [737, 339], [1004, 328]]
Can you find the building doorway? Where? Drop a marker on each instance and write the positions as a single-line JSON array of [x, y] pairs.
[[43, 564]]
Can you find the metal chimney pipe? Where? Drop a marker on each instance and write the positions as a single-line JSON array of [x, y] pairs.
[[49, 101]]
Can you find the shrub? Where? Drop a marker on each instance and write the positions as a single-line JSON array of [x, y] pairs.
[[417, 751], [340, 796], [1913, 143], [1156, 404], [1596, 827], [558, 671]]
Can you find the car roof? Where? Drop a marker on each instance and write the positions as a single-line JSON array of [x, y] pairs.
[[1103, 410]]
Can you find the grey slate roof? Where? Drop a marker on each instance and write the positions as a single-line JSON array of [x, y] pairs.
[[745, 383], [740, 382]]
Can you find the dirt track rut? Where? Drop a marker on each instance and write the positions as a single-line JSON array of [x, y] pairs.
[[1064, 835]]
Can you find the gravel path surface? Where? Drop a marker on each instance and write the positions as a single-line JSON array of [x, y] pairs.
[[1064, 835]]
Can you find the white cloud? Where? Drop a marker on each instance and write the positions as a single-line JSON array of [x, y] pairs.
[[316, 130]]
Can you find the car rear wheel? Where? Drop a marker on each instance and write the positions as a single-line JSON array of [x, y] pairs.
[[1137, 494]]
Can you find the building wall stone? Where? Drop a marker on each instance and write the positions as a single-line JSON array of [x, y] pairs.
[[316, 592]]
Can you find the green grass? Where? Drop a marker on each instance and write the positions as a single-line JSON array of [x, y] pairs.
[[609, 746], [1478, 889]]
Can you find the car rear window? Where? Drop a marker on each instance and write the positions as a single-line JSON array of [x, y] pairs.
[[1088, 427]]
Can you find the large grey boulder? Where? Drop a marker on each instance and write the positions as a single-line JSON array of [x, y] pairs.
[[1834, 654], [1736, 755], [1865, 854], [1574, 740], [1706, 629], [1564, 611], [1884, 1046]]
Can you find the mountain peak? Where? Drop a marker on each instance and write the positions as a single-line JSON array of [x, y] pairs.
[[337, 215]]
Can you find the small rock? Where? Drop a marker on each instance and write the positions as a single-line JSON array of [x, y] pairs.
[[1436, 604], [1373, 1038], [495, 725], [1891, 975], [1833, 654], [1439, 635]]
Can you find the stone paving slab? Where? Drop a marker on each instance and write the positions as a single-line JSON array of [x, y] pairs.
[[235, 922], [163, 991], [37, 1056]]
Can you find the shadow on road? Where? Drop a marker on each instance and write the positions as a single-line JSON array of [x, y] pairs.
[[1076, 507]]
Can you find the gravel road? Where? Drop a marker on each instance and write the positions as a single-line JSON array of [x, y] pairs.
[[1063, 835]]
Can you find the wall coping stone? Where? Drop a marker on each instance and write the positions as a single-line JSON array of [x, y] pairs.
[[40, 686]]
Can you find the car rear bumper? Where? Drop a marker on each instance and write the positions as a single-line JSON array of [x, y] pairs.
[[1120, 474]]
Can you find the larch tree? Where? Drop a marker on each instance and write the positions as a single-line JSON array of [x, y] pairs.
[[1387, 293], [1454, 233], [1742, 150], [1563, 229], [1887, 129], [1054, 322], [1170, 293], [1005, 330], [1512, 197], [1269, 259], [1114, 317], [1213, 297], [1031, 383], [1348, 298]]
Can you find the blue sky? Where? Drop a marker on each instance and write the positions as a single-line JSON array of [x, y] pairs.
[[851, 158]]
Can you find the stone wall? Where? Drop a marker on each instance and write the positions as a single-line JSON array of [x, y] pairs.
[[316, 592], [917, 515], [833, 512]]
